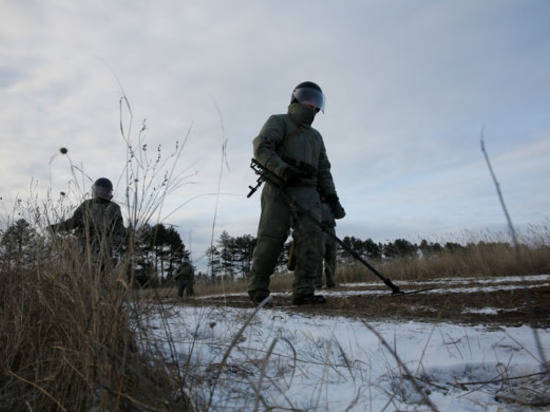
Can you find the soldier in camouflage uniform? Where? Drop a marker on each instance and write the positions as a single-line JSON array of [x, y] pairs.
[[329, 249], [288, 146], [98, 222], [186, 278]]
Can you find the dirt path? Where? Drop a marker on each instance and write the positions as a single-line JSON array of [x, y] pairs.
[[492, 302]]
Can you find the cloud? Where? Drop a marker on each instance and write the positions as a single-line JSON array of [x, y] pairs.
[[408, 87]]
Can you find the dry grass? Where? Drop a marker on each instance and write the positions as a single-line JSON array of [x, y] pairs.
[[480, 260], [70, 326], [69, 342]]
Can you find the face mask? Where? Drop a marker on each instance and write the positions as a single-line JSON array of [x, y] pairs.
[[302, 115]]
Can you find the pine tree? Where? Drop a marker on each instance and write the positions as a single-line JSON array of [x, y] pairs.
[[244, 247], [225, 246], [214, 261], [19, 243]]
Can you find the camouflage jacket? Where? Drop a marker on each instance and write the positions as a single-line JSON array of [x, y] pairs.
[[327, 216], [98, 220], [279, 145]]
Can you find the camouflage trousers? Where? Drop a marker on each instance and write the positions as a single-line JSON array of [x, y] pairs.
[[329, 257], [184, 286], [276, 220], [97, 256]]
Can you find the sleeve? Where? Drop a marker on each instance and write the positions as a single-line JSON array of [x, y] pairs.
[[265, 145], [325, 182], [73, 222], [119, 230], [328, 217]]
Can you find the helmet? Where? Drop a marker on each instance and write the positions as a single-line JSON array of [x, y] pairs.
[[102, 189], [309, 92]]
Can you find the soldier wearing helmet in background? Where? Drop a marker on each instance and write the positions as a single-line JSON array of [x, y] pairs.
[[186, 278], [288, 146], [98, 221]]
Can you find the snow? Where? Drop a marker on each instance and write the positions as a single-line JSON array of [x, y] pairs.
[[221, 295], [474, 289], [481, 311], [343, 293], [332, 363], [460, 281]]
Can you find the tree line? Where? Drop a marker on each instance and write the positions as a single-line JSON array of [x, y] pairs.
[[232, 256], [159, 250]]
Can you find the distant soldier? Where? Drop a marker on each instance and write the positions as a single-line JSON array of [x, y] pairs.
[[186, 279], [329, 248], [98, 222]]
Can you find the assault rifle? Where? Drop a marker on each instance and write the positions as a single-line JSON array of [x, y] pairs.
[[266, 175]]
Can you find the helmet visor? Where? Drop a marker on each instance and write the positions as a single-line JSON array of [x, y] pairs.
[[309, 95]]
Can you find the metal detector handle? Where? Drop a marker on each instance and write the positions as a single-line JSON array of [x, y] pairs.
[[266, 175]]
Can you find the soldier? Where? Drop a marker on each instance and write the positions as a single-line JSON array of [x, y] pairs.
[[98, 222], [186, 278], [288, 146], [329, 249]]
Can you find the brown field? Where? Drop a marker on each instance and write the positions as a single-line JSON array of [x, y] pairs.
[[68, 342], [527, 304]]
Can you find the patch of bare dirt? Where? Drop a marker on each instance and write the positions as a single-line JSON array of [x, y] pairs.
[[514, 307], [507, 308]]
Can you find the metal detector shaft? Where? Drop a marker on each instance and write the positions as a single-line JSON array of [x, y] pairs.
[[266, 175], [395, 289]]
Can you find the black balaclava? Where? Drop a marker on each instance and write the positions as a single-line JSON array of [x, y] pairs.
[[301, 114]]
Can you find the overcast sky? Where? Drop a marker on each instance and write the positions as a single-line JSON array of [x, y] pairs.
[[409, 85]]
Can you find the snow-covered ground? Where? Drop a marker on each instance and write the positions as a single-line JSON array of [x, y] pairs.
[[461, 281], [333, 363], [441, 286]]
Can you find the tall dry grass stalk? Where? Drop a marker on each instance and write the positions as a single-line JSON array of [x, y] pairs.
[[71, 335], [68, 340], [515, 242]]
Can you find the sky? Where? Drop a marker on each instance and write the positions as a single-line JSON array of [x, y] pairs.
[[409, 86]]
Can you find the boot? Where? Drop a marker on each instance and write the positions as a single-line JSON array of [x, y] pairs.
[[257, 297], [309, 300]]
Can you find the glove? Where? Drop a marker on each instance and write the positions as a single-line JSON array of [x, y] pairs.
[[336, 207], [292, 175]]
